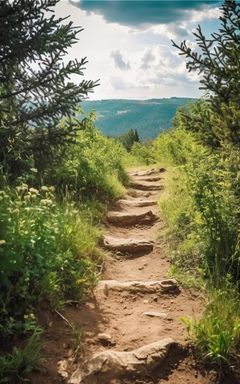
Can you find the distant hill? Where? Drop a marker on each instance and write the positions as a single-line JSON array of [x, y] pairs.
[[149, 117]]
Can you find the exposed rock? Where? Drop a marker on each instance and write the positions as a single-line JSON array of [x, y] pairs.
[[128, 219], [145, 186], [135, 193], [62, 368], [148, 172], [108, 365], [159, 286], [131, 246], [156, 314], [105, 339], [137, 202], [151, 178], [76, 377]]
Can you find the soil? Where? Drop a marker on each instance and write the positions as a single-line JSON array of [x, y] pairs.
[[121, 314]]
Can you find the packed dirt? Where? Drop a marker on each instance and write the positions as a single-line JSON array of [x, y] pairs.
[[122, 319]]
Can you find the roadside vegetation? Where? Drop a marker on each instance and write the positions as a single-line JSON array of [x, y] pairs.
[[201, 208], [57, 174], [49, 242]]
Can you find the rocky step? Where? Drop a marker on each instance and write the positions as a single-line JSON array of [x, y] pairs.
[[128, 219], [151, 286], [146, 179], [130, 246], [148, 172], [134, 193], [111, 364], [137, 202], [144, 186]]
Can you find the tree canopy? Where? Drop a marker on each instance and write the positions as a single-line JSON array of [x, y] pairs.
[[38, 85], [217, 60]]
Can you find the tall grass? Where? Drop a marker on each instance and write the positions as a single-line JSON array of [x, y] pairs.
[[217, 334], [201, 211]]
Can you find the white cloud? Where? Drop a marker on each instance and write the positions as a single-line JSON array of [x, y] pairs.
[[147, 60], [171, 30], [139, 63], [119, 60], [203, 15]]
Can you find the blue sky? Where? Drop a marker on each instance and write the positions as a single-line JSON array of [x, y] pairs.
[[128, 44]]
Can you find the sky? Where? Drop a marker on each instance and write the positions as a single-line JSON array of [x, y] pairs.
[[128, 44]]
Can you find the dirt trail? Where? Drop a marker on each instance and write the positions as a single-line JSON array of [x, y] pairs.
[[131, 320], [124, 320]]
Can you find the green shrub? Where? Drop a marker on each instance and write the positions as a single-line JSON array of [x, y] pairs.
[[93, 167], [143, 153], [46, 252], [202, 209]]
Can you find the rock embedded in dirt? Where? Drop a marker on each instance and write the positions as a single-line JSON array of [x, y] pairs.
[[105, 339], [162, 315], [159, 286], [145, 173], [137, 203], [130, 246], [149, 178], [108, 365], [134, 193], [128, 219], [145, 186]]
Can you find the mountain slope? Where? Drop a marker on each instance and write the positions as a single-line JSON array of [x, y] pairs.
[[149, 117]]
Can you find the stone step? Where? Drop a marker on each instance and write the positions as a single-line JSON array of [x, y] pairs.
[[110, 364], [150, 286], [148, 172], [134, 193], [130, 246], [137, 202], [144, 186], [147, 178], [128, 219]]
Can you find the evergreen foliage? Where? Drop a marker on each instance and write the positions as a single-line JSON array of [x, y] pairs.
[[217, 61], [37, 87], [129, 138]]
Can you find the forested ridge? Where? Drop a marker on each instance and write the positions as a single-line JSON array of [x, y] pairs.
[[148, 117], [59, 175]]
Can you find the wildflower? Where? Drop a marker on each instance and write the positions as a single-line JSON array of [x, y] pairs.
[[33, 191], [44, 188]]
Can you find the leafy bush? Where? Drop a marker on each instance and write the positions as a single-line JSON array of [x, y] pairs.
[[202, 211], [92, 167], [143, 153], [46, 252], [202, 215]]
